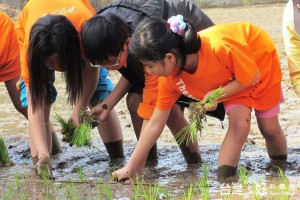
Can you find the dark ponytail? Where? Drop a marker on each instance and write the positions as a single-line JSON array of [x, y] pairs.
[[153, 39], [53, 34]]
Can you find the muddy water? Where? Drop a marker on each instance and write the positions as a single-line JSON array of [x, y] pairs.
[[171, 171]]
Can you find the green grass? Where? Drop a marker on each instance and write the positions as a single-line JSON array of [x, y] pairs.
[[4, 157], [197, 118]]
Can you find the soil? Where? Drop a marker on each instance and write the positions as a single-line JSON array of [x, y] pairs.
[[170, 171]]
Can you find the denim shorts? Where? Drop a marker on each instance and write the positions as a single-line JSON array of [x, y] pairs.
[[103, 89]]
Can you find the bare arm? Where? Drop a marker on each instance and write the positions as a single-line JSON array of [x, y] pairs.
[[37, 126], [123, 86], [90, 78], [148, 137], [235, 86]]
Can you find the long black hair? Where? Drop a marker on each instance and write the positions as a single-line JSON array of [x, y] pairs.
[[104, 36], [153, 39], [54, 34]]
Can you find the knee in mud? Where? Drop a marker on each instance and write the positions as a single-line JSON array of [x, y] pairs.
[[226, 171]]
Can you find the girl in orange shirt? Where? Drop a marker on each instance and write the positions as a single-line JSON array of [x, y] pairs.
[[239, 57], [48, 36], [10, 69]]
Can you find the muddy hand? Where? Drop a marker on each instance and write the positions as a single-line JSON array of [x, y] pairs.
[[75, 119], [99, 112], [123, 176]]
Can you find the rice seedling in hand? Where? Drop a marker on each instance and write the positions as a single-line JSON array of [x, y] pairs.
[[4, 157], [197, 118], [80, 135]]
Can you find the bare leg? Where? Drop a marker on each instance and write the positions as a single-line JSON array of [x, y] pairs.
[[176, 122], [230, 151], [133, 101], [274, 136]]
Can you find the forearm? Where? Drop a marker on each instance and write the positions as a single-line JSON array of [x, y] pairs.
[[90, 77], [123, 87], [235, 86]]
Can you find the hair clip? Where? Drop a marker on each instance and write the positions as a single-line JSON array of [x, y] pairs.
[[177, 25]]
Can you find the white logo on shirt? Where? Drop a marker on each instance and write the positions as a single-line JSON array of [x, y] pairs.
[[185, 92]]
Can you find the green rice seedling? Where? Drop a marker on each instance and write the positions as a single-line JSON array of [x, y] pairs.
[[17, 181], [108, 191], [197, 118], [244, 175], [74, 192], [203, 182], [9, 193], [18, 185], [100, 184], [255, 188], [137, 187], [189, 194], [150, 192], [255, 192], [4, 157], [284, 189], [67, 128], [80, 174], [162, 191], [80, 135]]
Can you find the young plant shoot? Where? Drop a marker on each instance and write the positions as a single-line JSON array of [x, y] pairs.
[[197, 118]]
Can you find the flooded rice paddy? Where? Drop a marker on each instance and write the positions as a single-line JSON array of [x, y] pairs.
[[84, 173]]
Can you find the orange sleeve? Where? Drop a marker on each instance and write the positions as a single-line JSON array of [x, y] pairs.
[[242, 63], [9, 50], [167, 95], [150, 90], [20, 34]]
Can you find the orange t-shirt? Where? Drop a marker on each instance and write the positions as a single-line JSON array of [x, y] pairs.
[[77, 11], [9, 50], [229, 51], [150, 92]]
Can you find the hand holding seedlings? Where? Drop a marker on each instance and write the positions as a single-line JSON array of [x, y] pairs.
[[197, 116], [77, 135]]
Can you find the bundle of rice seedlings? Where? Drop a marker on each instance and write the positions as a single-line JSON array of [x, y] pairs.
[[4, 157], [197, 118], [80, 135]]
